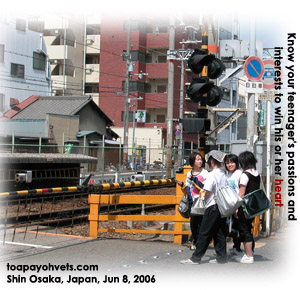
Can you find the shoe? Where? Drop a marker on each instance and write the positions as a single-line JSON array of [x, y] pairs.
[[245, 259], [234, 252], [192, 247], [189, 262]]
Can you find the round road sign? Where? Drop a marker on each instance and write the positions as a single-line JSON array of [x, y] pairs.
[[254, 68], [268, 78]]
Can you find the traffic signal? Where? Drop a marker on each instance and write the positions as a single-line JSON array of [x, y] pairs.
[[202, 85], [201, 58], [195, 125]]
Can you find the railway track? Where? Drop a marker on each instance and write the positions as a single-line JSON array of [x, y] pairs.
[[68, 208]]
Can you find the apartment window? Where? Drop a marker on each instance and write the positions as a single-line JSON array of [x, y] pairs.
[[160, 118], [134, 86], [162, 59], [39, 61], [135, 56], [17, 70], [21, 24], [161, 89], [2, 53]]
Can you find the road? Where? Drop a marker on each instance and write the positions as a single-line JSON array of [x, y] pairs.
[[155, 263]]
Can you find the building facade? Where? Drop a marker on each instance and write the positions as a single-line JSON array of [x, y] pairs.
[[24, 67]]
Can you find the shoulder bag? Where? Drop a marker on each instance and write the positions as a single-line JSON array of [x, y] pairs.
[[227, 199], [184, 206], [256, 202]]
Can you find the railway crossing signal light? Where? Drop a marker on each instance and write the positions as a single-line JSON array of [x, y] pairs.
[[201, 58], [201, 86], [195, 125]]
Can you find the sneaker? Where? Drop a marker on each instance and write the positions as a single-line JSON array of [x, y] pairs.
[[245, 259], [234, 252], [192, 247], [189, 262]]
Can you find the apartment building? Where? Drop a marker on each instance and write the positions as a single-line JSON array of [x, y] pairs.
[[73, 44], [149, 43], [24, 67]]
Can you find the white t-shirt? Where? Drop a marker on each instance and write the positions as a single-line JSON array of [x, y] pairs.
[[203, 174], [245, 179], [233, 180], [217, 175]]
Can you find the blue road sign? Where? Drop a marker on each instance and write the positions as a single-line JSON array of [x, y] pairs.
[[254, 68]]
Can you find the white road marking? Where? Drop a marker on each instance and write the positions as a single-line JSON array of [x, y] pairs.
[[27, 245]]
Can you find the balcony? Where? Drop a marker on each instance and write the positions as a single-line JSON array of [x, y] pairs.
[[156, 100], [157, 70], [58, 52], [93, 44], [92, 72], [160, 40]]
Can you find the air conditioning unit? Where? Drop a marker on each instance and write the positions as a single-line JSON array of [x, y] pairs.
[[90, 40], [90, 68]]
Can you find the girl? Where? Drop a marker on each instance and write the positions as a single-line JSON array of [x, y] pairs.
[[250, 181], [212, 226], [233, 180], [196, 176]]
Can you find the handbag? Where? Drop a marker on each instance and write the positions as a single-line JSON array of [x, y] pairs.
[[199, 205], [227, 199], [184, 206], [256, 203]]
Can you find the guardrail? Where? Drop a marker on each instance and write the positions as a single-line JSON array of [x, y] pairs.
[[95, 216]]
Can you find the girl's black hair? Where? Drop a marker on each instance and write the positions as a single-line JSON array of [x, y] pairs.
[[233, 158], [192, 158], [210, 159], [247, 160]]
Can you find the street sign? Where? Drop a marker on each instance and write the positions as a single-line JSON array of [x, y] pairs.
[[254, 68], [268, 78], [266, 97], [141, 116]]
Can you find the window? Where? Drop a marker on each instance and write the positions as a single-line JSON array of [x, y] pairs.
[[21, 24], [17, 70], [135, 56], [1, 52], [39, 61], [160, 118], [134, 86]]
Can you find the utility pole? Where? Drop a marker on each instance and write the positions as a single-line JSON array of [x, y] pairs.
[[170, 100], [251, 96], [182, 68], [126, 112]]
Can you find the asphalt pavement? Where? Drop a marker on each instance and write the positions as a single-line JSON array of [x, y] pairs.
[[116, 263]]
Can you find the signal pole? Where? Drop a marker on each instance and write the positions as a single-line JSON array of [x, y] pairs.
[[170, 100], [126, 112]]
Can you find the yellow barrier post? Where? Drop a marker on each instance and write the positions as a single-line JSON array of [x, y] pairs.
[[95, 217]]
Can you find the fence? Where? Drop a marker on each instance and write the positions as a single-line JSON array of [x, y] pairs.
[[95, 216]]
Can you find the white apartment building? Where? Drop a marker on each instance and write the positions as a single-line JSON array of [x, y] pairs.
[[73, 45], [24, 67]]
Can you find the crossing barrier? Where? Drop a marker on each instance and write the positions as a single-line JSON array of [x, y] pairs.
[[95, 216]]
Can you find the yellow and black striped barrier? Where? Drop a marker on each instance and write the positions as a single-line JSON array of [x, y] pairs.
[[89, 188]]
